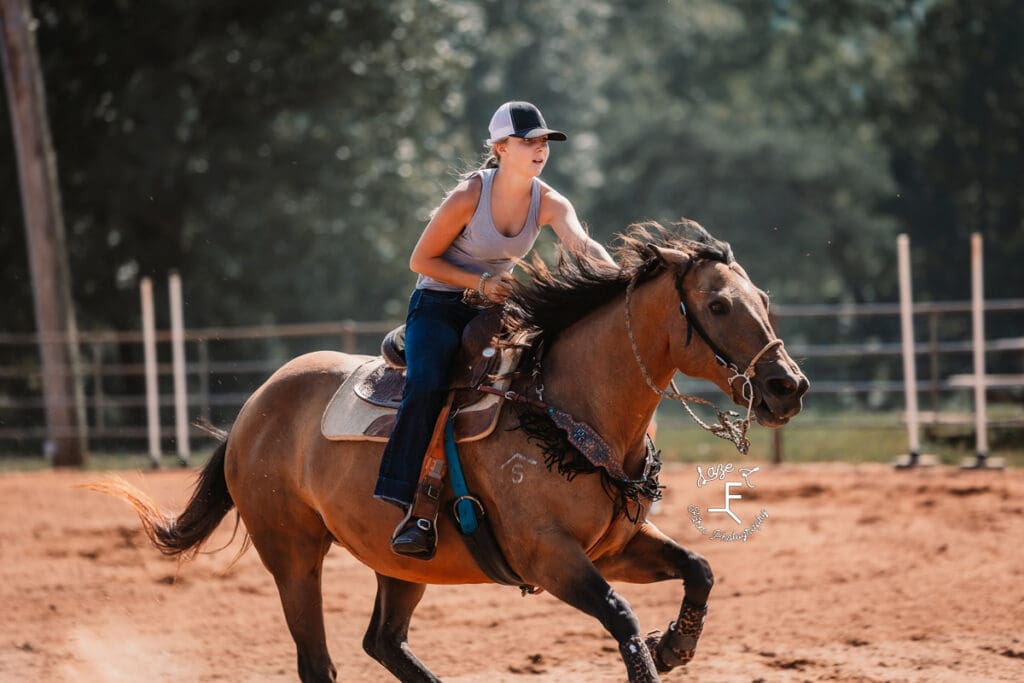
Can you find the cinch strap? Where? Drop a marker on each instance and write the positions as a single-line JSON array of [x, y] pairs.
[[476, 531], [464, 512]]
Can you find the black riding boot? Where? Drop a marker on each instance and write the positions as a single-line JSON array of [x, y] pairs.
[[415, 537]]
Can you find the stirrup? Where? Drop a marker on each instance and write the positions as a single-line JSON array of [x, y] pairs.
[[423, 537]]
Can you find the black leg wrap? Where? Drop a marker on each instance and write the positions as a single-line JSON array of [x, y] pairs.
[[677, 646], [639, 665]]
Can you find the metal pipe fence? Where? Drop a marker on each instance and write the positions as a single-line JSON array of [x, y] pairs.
[[223, 365]]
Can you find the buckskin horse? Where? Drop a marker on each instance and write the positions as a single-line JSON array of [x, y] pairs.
[[612, 339]]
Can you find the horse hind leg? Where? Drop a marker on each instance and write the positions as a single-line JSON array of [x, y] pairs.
[[386, 639], [294, 554]]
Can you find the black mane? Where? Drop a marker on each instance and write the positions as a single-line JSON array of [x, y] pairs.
[[551, 300]]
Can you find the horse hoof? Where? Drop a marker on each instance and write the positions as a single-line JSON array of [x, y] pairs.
[[677, 646], [651, 641], [638, 659]]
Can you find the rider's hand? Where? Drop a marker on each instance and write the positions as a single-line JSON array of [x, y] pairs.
[[498, 287]]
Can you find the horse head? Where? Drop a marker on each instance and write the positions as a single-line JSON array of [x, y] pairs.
[[723, 332]]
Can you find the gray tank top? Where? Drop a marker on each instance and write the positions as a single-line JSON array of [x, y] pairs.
[[480, 247]]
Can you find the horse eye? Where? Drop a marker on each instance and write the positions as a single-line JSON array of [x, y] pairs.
[[718, 307]]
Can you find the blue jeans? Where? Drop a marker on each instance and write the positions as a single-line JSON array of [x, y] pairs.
[[433, 335]]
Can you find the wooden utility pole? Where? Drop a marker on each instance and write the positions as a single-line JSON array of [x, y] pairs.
[[44, 224]]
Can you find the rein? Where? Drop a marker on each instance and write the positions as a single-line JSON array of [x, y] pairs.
[[728, 427]]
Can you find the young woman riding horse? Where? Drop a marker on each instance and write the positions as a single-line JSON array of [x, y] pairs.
[[613, 340], [489, 220]]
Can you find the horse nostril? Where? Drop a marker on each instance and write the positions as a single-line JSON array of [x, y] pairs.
[[784, 386]]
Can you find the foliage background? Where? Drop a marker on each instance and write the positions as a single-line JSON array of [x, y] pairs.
[[284, 157]]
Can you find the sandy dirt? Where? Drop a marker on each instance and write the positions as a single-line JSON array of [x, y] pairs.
[[858, 573]]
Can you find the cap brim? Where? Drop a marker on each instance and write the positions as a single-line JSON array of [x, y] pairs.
[[532, 133]]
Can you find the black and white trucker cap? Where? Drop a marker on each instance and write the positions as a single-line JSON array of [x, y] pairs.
[[520, 120]]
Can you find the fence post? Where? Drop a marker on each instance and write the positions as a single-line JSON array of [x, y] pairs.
[[980, 460], [933, 359], [913, 458], [178, 362], [97, 387], [777, 446], [32, 143], [149, 354], [204, 379], [348, 338]]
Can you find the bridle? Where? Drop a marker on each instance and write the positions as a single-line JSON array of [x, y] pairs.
[[728, 427]]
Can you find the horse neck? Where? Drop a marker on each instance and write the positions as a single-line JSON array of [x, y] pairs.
[[591, 371]]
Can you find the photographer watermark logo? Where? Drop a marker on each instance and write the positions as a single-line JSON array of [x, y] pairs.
[[721, 472]]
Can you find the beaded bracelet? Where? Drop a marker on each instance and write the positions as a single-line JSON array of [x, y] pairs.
[[480, 285]]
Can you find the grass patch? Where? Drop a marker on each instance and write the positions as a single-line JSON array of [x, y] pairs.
[[811, 437], [865, 437]]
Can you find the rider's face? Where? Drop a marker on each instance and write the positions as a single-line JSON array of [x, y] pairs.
[[528, 156]]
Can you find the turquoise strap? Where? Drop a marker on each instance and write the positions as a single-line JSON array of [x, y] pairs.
[[464, 509]]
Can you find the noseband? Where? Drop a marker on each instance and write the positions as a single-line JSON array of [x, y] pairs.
[[728, 427]]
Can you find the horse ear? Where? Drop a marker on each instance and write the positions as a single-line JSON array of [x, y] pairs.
[[739, 269], [668, 257]]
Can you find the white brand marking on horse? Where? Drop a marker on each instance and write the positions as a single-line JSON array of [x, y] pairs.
[[518, 470]]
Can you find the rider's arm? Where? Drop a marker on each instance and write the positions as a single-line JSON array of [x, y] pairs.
[[558, 212], [448, 221]]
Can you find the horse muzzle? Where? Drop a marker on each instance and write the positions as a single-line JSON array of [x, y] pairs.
[[778, 396]]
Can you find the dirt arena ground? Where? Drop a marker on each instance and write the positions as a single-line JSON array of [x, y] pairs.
[[858, 573]]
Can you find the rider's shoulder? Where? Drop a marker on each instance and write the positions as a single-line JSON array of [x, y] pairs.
[[550, 193], [466, 194], [553, 200], [461, 202]]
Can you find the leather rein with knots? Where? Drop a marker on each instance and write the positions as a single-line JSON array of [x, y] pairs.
[[729, 427]]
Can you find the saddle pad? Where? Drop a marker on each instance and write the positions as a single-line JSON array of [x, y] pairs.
[[348, 417]]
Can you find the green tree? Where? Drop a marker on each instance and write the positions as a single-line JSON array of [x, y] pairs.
[[956, 135], [279, 156], [284, 158]]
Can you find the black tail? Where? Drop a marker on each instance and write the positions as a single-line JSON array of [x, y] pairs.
[[185, 533]]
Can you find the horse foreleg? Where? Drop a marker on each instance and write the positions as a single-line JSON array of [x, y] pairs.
[[386, 639], [652, 556], [561, 567]]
